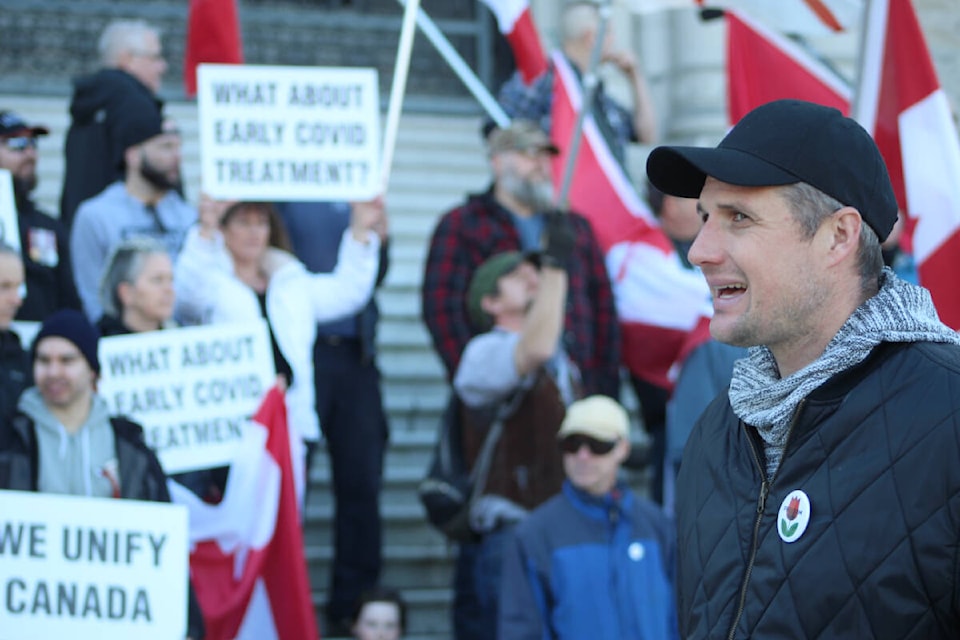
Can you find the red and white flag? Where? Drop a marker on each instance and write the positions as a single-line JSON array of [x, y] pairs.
[[901, 103], [213, 35], [763, 65], [516, 24], [247, 565], [659, 301]]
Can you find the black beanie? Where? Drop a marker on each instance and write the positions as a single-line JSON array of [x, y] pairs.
[[71, 325], [134, 127]]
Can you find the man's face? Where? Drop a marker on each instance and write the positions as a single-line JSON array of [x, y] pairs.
[[11, 279], [160, 161], [595, 473], [526, 176], [18, 155], [516, 291], [62, 374], [768, 281], [146, 63]]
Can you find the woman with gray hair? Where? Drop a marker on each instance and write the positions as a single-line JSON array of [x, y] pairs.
[[136, 289]]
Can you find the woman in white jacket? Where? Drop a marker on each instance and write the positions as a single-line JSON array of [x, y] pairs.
[[237, 268]]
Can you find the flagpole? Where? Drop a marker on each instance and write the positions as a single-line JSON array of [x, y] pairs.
[[397, 90], [460, 67], [855, 103], [588, 91]]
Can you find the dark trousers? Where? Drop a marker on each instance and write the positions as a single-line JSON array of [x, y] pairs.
[[476, 586], [653, 410], [354, 426]]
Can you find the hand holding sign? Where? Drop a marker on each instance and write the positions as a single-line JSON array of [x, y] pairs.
[[370, 215]]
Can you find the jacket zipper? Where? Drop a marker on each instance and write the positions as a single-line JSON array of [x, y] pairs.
[[761, 505]]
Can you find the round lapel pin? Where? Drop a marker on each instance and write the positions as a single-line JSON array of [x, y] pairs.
[[794, 516]]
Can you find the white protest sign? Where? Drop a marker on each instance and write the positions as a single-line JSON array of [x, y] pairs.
[[9, 223], [192, 389], [288, 133], [91, 568]]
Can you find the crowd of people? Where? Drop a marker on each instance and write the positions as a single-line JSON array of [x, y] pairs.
[[828, 432]]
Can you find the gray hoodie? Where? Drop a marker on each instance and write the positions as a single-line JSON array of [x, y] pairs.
[[81, 464]]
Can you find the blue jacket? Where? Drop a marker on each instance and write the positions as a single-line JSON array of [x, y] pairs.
[[586, 567]]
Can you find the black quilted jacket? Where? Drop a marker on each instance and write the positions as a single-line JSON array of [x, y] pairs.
[[877, 451]]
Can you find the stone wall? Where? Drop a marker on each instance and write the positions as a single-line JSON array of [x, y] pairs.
[[45, 44]]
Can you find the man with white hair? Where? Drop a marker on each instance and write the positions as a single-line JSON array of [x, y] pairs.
[[129, 81]]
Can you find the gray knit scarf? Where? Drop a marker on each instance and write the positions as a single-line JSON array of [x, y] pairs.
[[900, 312]]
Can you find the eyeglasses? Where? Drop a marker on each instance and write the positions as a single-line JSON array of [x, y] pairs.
[[572, 444], [21, 143]]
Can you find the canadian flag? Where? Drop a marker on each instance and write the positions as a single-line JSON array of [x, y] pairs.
[[213, 35], [247, 565], [763, 65], [516, 24], [659, 301], [900, 101]]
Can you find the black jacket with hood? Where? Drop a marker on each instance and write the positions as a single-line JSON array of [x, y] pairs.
[[101, 101]]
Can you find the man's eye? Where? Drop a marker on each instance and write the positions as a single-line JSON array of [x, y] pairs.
[[739, 217]]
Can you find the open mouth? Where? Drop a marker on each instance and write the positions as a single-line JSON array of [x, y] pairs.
[[729, 291]]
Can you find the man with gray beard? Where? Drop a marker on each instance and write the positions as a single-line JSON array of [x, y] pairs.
[[146, 203], [512, 215]]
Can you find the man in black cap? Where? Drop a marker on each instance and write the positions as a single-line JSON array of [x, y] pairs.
[[43, 241], [819, 497], [63, 440], [145, 204]]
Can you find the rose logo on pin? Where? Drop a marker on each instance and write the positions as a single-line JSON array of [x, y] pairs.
[[794, 516]]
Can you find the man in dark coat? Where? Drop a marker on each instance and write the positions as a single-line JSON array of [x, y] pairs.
[[133, 68], [43, 241], [819, 496]]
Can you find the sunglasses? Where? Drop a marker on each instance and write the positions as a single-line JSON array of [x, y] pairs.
[[21, 143], [572, 444]]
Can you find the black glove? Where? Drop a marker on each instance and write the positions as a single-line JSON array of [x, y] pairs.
[[559, 239]]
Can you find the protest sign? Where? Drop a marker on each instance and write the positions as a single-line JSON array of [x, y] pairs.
[[192, 389], [9, 225], [288, 133], [90, 568]]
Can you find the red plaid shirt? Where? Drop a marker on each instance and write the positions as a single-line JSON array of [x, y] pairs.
[[480, 228]]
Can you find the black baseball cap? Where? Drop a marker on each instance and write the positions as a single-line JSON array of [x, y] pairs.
[[12, 125], [784, 142]]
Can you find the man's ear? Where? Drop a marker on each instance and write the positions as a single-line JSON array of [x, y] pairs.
[[131, 156], [843, 228], [622, 450], [490, 304]]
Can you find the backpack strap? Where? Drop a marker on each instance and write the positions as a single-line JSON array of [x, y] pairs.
[[481, 467]]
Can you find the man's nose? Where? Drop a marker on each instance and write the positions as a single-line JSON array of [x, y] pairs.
[[705, 248]]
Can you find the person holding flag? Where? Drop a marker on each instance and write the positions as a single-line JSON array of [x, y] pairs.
[[533, 99], [825, 523]]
